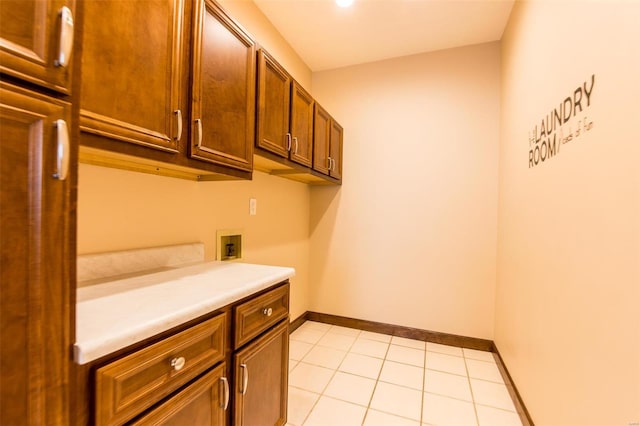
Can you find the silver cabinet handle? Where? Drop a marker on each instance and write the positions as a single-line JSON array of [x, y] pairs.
[[333, 165], [178, 363], [66, 37], [329, 161], [225, 392], [295, 150], [62, 150], [245, 378], [178, 114], [198, 132], [267, 311], [288, 141]]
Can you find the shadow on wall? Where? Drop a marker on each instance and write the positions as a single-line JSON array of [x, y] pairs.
[[322, 224], [322, 198]]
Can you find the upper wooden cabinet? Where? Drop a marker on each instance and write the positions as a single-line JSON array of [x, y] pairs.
[[327, 144], [301, 125], [274, 90], [294, 138], [223, 89], [321, 140], [335, 150], [36, 41], [131, 62]]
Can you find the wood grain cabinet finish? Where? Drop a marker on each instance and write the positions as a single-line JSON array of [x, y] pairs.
[[223, 89], [261, 379], [35, 285], [274, 99], [335, 150], [202, 403], [258, 314], [128, 386], [30, 34], [131, 72], [301, 125], [327, 144]]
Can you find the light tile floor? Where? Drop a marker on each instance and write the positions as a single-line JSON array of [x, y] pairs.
[[342, 376]]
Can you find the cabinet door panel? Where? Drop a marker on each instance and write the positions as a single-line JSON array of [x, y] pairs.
[[223, 92], [321, 135], [29, 41], [336, 150], [202, 403], [131, 71], [274, 87], [35, 325], [262, 365], [301, 125]]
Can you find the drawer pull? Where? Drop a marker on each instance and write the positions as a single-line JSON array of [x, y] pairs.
[[178, 363], [245, 378], [267, 311], [225, 386]]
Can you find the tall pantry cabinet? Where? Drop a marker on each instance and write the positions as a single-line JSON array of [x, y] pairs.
[[38, 178]]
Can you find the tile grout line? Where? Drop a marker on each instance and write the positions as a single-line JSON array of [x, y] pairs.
[[375, 386], [335, 371], [424, 379], [319, 395], [473, 398]]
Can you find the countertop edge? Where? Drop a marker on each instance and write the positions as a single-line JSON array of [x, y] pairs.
[[90, 350]]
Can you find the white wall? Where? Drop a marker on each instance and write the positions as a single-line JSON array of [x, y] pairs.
[[410, 237], [568, 290]]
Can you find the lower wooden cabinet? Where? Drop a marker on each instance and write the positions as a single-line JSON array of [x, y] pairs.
[[202, 403], [261, 378], [132, 384], [228, 368]]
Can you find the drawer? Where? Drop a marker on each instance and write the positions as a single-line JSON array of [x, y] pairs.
[[202, 403], [258, 314], [128, 386]]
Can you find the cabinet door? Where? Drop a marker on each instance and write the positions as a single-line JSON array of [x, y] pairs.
[[335, 151], [35, 262], [202, 403], [274, 87], [223, 90], [321, 135], [261, 379], [132, 52], [301, 125], [30, 34]]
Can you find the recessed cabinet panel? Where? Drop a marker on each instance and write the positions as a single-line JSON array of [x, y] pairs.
[[202, 403], [335, 151], [132, 52], [274, 88], [254, 317], [261, 377], [301, 125], [223, 92], [30, 41], [35, 302], [321, 135]]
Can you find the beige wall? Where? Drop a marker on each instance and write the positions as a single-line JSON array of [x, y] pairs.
[[120, 210], [410, 237], [568, 289]]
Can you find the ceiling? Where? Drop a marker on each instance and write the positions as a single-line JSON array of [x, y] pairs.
[[327, 36]]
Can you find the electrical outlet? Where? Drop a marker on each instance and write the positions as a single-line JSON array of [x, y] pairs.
[[253, 206]]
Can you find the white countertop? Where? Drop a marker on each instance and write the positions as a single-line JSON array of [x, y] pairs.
[[116, 314]]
